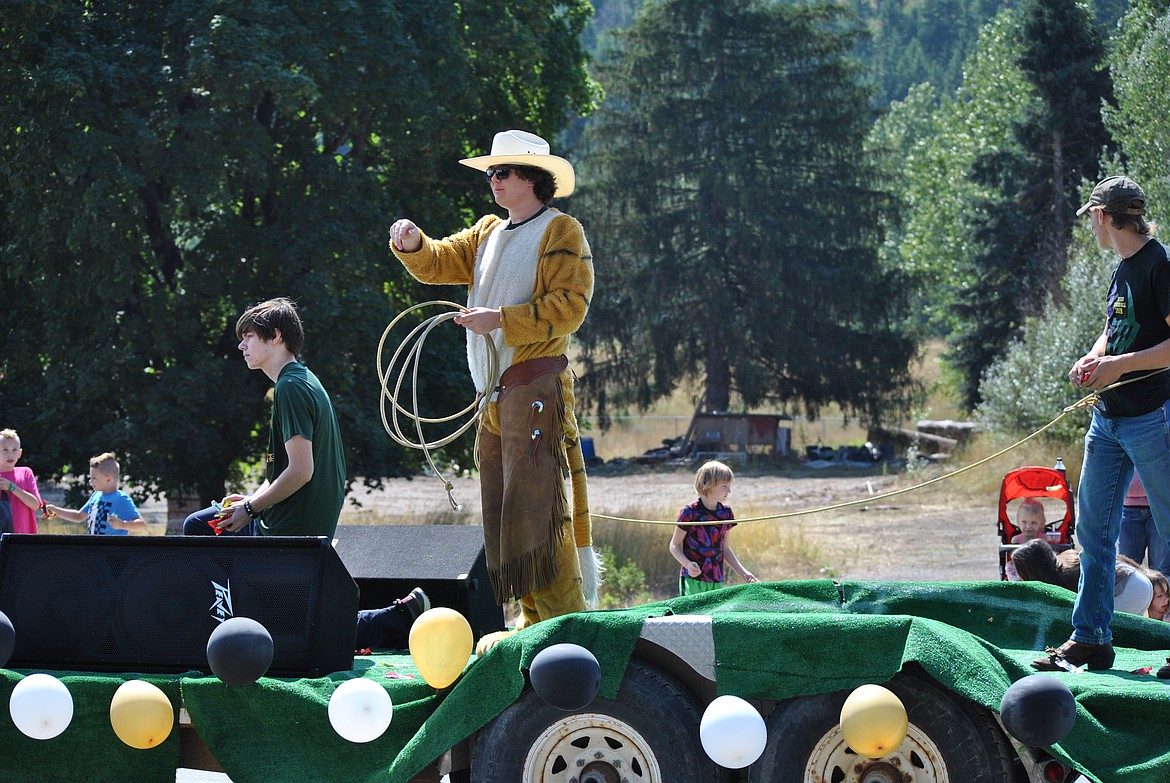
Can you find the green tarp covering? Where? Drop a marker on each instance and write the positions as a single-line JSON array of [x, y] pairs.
[[772, 641]]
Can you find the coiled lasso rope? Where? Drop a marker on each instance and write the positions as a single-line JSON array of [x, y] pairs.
[[412, 358], [1085, 402]]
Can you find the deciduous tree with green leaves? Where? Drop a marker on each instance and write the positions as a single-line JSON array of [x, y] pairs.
[[732, 215], [987, 180], [162, 167], [1140, 65], [1020, 234], [925, 146]]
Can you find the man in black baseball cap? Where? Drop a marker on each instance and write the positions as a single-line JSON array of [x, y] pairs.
[[1128, 429], [1118, 195]]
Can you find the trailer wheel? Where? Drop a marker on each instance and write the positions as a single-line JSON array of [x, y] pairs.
[[649, 734], [948, 741]]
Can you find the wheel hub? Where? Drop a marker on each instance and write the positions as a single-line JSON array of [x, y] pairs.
[[599, 772], [881, 772], [591, 748], [917, 760]]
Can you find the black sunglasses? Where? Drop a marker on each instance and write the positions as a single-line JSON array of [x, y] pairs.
[[500, 173]]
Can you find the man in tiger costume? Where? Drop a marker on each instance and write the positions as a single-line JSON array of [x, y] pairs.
[[530, 281]]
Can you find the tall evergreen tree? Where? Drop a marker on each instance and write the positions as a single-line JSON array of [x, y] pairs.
[[1028, 386], [733, 217], [1064, 58]]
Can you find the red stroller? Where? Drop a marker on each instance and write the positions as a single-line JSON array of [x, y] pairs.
[[1035, 482]]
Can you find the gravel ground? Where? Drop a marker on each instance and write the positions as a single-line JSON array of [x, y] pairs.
[[921, 535]]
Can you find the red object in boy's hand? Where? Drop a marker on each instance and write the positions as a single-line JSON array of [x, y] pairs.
[[221, 515]]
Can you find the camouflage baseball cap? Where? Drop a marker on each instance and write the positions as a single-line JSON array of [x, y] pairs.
[[1119, 195]]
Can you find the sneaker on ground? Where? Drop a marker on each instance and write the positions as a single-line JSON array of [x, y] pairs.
[[415, 603]]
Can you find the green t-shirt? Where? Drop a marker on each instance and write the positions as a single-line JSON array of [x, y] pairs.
[[301, 406]]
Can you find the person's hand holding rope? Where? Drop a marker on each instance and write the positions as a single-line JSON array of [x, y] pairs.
[[480, 320], [1095, 372]]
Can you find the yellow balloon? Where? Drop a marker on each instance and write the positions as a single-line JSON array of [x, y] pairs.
[[440, 644], [141, 714], [873, 720]]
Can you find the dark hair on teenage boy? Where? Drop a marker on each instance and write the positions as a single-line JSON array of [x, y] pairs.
[[266, 318]]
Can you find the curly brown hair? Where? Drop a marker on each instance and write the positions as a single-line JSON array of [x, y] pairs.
[[544, 184], [1036, 561]]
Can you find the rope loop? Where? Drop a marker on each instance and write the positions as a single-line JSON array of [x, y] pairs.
[[409, 352]]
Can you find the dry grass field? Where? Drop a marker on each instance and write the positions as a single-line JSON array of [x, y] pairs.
[[944, 532]]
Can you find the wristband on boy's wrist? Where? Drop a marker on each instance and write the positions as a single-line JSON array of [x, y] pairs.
[[248, 507]]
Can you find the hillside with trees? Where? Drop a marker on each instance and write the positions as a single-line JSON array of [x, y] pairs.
[[990, 116], [907, 43]]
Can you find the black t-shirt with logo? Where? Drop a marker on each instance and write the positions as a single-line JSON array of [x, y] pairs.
[[1139, 301]]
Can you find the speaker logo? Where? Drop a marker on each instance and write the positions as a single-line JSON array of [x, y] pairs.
[[221, 608]]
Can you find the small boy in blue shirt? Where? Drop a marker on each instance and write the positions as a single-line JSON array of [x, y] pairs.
[[109, 511]]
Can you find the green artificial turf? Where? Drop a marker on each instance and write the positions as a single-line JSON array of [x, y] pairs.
[[772, 641]]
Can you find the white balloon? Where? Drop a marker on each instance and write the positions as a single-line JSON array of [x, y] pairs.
[[41, 706], [360, 710], [732, 732]]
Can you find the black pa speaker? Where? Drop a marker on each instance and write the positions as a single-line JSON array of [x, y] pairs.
[[149, 604], [446, 561]]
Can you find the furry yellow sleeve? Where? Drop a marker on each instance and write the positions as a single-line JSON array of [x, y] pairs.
[[564, 287], [448, 261]]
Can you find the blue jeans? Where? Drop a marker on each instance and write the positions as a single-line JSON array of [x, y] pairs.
[[387, 627], [1112, 448], [199, 524], [1140, 539]]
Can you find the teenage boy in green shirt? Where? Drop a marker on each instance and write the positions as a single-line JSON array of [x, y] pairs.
[[305, 484]]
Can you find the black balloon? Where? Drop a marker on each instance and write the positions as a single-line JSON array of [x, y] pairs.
[[239, 651], [1038, 710], [566, 676], [7, 639]]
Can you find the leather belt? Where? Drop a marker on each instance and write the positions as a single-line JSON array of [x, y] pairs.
[[525, 372]]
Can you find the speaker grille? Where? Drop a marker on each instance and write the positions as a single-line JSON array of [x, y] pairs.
[[150, 604]]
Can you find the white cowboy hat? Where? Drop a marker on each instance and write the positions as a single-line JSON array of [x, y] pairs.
[[522, 148]]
